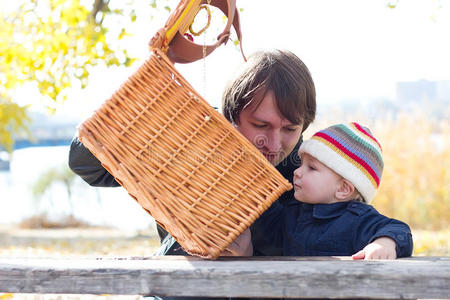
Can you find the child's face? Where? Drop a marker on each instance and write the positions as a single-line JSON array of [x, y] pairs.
[[314, 182]]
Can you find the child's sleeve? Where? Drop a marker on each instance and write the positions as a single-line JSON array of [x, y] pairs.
[[374, 225]]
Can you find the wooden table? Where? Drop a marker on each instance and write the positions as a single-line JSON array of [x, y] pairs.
[[276, 277]]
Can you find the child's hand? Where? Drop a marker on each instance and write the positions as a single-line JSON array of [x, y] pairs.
[[381, 248], [241, 246]]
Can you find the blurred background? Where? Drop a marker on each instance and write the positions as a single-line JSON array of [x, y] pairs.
[[383, 63]]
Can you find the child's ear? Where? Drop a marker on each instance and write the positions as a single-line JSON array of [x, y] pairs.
[[345, 190]]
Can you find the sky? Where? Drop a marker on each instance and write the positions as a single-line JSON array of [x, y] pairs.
[[354, 49]]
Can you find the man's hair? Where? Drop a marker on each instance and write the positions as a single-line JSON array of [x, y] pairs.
[[283, 73]]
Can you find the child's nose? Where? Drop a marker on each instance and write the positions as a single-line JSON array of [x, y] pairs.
[[298, 172]]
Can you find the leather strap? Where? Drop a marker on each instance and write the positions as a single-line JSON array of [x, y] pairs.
[[182, 50]]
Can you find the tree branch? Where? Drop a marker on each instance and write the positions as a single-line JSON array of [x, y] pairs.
[[99, 5]]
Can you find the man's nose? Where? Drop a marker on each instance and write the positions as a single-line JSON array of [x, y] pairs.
[[274, 141]]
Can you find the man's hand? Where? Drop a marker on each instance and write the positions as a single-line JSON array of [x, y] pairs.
[[241, 246], [381, 248]]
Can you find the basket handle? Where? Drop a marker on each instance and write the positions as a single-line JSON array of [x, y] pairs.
[[181, 50]]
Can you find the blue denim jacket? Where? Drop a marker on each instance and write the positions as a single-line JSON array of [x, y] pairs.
[[338, 229]]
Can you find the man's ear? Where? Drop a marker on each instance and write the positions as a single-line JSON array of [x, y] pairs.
[[345, 190]]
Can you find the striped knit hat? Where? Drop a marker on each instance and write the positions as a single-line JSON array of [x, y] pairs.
[[351, 151]]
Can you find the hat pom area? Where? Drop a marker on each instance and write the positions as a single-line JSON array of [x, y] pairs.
[[351, 151]]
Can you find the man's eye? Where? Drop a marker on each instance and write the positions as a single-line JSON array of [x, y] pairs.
[[291, 129], [259, 125]]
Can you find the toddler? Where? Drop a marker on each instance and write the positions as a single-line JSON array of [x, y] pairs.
[[340, 172]]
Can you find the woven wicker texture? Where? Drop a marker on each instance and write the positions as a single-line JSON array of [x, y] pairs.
[[180, 159]]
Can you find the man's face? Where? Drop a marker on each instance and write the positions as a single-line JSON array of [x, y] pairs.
[[265, 127]]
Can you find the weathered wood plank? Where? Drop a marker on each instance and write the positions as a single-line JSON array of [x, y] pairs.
[[330, 277]]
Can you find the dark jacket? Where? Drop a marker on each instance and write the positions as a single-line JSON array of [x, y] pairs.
[[338, 229], [89, 168]]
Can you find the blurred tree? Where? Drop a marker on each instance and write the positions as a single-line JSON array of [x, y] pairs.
[[52, 44], [54, 175], [13, 118]]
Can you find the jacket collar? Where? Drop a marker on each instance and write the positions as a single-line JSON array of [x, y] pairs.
[[327, 211], [290, 163]]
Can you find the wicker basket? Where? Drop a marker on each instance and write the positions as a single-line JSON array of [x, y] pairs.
[[181, 160]]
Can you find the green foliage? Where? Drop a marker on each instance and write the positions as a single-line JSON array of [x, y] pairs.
[[13, 118], [41, 189], [52, 44], [392, 3], [54, 175], [58, 174]]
